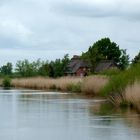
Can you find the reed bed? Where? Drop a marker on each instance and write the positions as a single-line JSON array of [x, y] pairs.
[[132, 95], [89, 85], [46, 83], [93, 84]]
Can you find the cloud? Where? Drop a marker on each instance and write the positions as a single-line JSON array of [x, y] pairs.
[[100, 8], [14, 29], [52, 28]]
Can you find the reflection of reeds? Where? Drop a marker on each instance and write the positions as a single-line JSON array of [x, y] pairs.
[[93, 84], [132, 95]]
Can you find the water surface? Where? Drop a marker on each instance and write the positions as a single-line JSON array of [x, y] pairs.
[[37, 115]]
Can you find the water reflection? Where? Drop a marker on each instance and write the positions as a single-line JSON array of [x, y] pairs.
[[33, 115]]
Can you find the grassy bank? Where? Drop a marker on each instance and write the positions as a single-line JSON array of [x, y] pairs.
[[123, 88]]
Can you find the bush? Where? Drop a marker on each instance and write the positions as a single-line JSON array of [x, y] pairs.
[[6, 83], [120, 81], [74, 87]]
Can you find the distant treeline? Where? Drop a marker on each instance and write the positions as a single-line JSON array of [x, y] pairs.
[[103, 49], [24, 68]]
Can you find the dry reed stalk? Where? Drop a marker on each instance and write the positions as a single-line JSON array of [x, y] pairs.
[[64, 82], [93, 84], [132, 94], [45, 83]]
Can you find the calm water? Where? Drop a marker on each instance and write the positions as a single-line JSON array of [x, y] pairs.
[[32, 115]]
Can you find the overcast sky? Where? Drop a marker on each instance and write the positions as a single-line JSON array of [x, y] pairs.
[[48, 29]]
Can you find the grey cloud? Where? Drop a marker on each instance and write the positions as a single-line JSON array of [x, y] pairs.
[[78, 9], [123, 10], [48, 29]]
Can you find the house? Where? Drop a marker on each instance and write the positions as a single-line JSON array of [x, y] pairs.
[[77, 67], [105, 65]]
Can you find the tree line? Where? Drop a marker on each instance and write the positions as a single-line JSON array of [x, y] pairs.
[[103, 49], [24, 68]]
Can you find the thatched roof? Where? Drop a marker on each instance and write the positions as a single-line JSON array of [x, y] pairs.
[[104, 65], [75, 64]]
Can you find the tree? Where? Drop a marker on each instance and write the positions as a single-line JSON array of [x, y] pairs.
[[44, 69], [104, 49], [6, 69], [26, 69], [58, 66], [136, 59], [124, 60], [41, 68]]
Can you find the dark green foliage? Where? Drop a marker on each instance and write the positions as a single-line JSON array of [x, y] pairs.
[[58, 66], [6, 83], [44, 69], [51, 70], [124, 104], [6, 69], [104, 49], [136, 59]]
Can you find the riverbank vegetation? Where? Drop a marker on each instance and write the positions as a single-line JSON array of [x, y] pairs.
[[90, 85], [121, 86], [123, 89]]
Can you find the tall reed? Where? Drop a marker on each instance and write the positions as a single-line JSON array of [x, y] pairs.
[[46, 83], [94, 84], [132, 94], [89, 85]]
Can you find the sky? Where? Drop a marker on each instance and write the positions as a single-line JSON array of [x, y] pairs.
[[49, 29]]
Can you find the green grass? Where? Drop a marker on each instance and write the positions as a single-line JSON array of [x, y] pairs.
[[118, 82], [74, 87]]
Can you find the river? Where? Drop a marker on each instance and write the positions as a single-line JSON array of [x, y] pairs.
[[37, 115]]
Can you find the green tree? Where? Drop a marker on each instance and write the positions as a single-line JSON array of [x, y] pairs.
[[51, 69], [26, 69], [6, 69], [36, 68], [58, 66], [44, 69], [104, 49]]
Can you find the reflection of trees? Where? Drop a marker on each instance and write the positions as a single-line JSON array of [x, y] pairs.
[[101, 113], [102, 109], [105, 114]]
